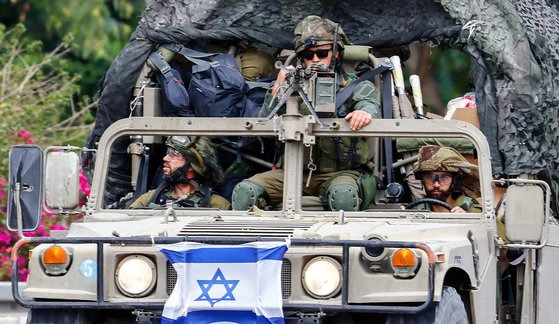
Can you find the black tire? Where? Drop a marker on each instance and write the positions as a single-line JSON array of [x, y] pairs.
[[450, 310], [56, 316], [81, 316]]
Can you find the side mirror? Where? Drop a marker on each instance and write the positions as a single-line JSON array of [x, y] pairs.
[[62, 180], [524, 213], [26, 188]]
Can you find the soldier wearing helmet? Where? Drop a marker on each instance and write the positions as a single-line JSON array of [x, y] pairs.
[[441, 170], [314, 44], [190, 168], [321, 42]]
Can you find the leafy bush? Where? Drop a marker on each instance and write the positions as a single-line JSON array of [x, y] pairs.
[[35, 92]]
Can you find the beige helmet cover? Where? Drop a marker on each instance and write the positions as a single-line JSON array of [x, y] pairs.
[[442, 158]]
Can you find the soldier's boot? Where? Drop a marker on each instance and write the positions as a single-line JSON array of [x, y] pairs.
[[247, 194], [343, 196]]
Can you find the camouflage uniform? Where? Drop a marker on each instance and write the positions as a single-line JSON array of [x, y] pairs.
[[336, 178], [447, 159], [216, 201], [200, 155]]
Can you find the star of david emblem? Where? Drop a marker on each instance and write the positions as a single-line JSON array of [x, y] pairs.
[[218, 279]]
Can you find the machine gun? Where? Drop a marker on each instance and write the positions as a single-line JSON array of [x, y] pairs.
[[315, 85]]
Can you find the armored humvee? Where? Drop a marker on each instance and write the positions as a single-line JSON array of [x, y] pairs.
[[456, 264]]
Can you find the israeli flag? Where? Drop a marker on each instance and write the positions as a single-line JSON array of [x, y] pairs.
[[225, 283]]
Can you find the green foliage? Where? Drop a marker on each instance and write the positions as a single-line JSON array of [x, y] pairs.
[[35, 92], [450, 68], [97, 29]]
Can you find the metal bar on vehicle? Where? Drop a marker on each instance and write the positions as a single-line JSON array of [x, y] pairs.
[[343, 306], [100, 273], [345, 272]]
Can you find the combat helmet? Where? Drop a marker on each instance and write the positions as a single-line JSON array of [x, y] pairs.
[[442, 158], [315, 31], [200, 152]]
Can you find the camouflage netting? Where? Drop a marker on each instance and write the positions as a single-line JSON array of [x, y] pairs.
[[514, 46]]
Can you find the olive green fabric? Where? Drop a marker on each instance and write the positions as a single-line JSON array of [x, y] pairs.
[[437, 158], [367, 188], [330, 155], [315, 31], [216, 201], [364, 97], [462, 145], [272, 181], [256, 64], [470, 205]]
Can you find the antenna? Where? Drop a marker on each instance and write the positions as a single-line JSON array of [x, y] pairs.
[[334, 47]]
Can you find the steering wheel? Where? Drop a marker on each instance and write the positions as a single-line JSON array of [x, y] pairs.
[[428, 201]]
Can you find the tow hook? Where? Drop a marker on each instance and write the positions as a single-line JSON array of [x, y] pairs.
[[143, 317], [307, 318], [169, 212]]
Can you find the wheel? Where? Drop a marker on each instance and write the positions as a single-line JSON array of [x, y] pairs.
[[80, 316], [428, 201], [450, 310], [56, 316]]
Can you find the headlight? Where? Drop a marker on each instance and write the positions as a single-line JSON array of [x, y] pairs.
[[404, 263], [135, 276], [56, 260], [322, 277]]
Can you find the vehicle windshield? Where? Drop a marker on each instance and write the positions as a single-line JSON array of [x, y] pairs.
[[261, 174]]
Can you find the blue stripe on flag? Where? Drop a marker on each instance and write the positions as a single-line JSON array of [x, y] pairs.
[[225, 255], [204, 317]]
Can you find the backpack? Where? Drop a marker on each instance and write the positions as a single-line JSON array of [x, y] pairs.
[[217, 87], [175, 100]]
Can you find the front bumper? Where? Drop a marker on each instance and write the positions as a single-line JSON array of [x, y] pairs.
[[339, 306]]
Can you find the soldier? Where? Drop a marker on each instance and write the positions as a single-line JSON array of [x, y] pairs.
[[189, 169], [341, 162], [441, 170]]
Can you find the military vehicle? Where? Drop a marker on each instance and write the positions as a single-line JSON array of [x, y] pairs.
[[381, 264]]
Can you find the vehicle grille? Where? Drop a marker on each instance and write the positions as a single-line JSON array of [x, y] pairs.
[[243, 228], [285, 278]]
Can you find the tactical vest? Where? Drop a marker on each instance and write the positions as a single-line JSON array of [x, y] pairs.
[[199, 198], [338, 153]]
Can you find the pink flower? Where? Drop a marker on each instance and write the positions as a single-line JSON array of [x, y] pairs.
[[84, 184], [58, 227], [23, 273], [5, 238], [26, 136]]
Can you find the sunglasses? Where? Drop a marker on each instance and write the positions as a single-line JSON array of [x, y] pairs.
[[172, 153], [321, 54], [443, 179]]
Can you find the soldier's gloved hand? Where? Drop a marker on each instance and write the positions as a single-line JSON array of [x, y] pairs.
[[315, 67], [358, 118], [282, 76]]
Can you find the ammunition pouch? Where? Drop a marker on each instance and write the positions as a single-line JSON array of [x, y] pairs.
[[341, 153]]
